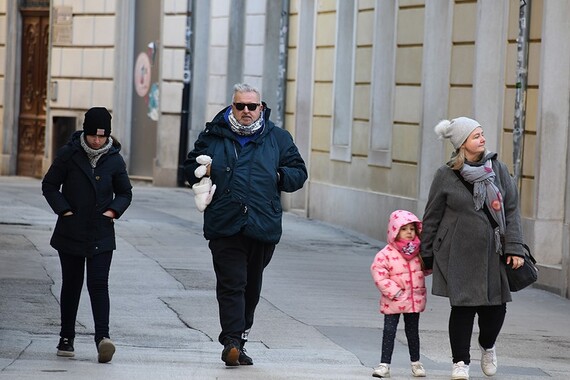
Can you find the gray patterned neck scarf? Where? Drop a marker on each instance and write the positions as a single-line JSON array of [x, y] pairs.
[[95, 154], [485, 191], [245, 130]]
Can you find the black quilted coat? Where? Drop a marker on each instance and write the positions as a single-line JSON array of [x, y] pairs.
[[71, 184]]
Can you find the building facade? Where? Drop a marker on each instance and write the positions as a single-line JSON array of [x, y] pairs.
[[359, 83]]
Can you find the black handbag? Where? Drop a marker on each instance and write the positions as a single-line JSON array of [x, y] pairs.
[[524, 276]]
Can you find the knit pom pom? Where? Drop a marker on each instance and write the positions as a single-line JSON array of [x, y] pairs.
[[442, 129]]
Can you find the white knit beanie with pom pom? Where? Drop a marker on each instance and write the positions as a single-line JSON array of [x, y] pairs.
[[457, 130]]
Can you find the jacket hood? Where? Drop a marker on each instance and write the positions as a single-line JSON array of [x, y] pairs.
[[398, 219]]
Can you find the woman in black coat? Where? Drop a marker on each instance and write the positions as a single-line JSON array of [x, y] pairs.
[[88, 187]]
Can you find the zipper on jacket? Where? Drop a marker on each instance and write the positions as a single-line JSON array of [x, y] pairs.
[[411, 274]]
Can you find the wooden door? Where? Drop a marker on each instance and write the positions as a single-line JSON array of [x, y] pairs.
[[32, 117]]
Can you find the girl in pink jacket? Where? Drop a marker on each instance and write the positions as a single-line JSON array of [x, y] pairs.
[[398, 274]]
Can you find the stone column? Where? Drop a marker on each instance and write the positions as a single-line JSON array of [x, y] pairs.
[[435, 90], [551, 162], [489, 69]]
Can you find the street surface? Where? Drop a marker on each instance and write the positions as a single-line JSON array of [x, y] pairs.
[[317, 319]]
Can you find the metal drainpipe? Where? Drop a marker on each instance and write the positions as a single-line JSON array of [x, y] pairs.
[[282, 74], [521, 85]]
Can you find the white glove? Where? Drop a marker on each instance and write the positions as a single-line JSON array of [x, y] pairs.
[[204, 162], [203, 193]]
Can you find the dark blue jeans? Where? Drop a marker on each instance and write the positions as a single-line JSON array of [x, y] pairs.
[[239, 262], [73, 271], [461, 321]]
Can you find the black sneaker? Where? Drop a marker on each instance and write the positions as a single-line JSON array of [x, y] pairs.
[[65, 348], [244, 358], [105, 350], [231, 353]]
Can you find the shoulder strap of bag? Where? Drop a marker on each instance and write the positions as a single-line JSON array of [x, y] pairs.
[[526, 251], [469, 187]]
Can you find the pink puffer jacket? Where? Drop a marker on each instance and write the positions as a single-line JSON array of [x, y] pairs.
[[392, 272]]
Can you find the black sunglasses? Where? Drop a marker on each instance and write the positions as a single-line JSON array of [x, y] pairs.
[[250, 106]]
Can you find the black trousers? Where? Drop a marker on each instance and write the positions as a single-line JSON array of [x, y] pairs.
[[73, 270], [461, 320], [239, 262], [411, 327]]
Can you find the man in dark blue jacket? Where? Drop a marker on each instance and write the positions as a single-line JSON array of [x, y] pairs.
[[252, 161]]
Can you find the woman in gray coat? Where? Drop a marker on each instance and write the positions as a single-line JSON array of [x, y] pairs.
[[472, 229]]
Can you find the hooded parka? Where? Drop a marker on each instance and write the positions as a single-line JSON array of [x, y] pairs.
[[247, 197], [71, 184], [460, 241], [392, 273]]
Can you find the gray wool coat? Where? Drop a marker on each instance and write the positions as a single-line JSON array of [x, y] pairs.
[[460, 241]]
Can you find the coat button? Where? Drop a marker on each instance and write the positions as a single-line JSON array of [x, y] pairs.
[[228, 168], [227, 191], [97, 178]]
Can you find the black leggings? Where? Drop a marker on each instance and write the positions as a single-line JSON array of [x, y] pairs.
[[461, 320], [73, 271], [411, 321]]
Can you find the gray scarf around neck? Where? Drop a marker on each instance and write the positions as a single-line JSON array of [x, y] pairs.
[[245, 130], [95, 154], [485, 191]]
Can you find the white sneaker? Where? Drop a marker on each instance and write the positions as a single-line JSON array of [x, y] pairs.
[[383, 370], [418, 369], [488, 360], [105, 350], [460, 371]]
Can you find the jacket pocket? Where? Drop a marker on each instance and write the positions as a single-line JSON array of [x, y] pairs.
[[439, 238], [68, 225], [276, 206], [107, 226]]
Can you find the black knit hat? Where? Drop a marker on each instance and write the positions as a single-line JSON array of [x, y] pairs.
[[97, 122]]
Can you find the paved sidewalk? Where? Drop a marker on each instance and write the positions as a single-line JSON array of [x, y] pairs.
[[317, 318]]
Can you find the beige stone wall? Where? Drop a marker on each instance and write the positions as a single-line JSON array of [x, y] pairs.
[[322, 170], [407, 97], [217, 76], [400, 177], [83, 69], [3, 30], [291, 84]]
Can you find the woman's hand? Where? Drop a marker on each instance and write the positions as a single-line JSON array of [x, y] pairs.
[[516, 261], [110, 214]]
